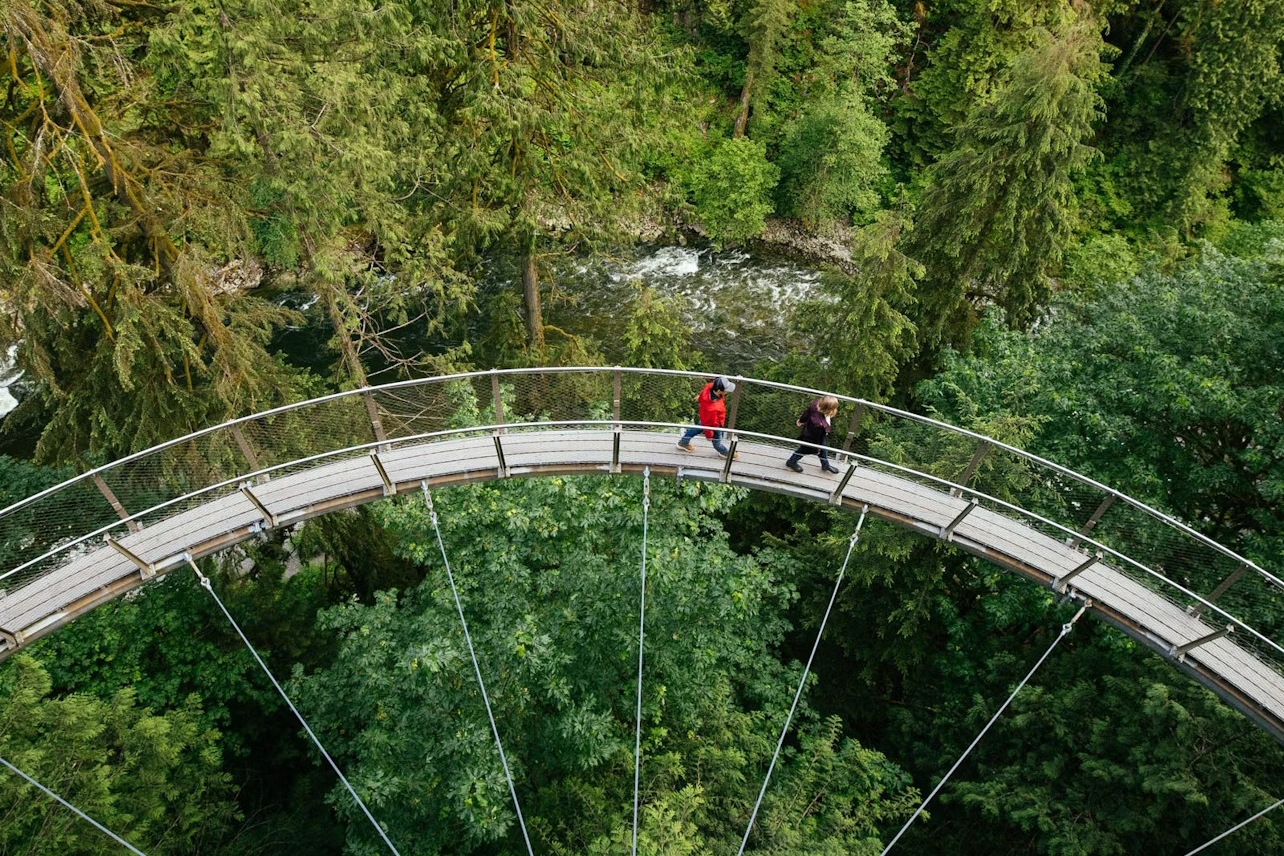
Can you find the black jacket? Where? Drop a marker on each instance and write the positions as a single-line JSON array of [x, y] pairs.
[[814, 424]]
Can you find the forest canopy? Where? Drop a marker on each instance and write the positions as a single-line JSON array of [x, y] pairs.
[[1059, 223]]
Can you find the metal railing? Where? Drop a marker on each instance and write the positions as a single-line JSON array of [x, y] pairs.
[[47, 529]]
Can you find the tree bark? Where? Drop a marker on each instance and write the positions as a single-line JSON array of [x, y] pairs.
[[530, 290], [743, 119]]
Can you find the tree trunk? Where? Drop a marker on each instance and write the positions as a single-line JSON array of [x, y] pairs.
[[743, 119], [530, 289]]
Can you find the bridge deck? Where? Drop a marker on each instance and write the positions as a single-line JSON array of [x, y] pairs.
[[101, 572]]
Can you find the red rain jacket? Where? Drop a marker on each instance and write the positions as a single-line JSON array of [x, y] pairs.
[[713, 411]]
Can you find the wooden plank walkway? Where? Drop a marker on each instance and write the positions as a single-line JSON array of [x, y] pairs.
[[98, 573]]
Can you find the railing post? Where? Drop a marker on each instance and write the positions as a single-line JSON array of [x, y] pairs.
[[1093, 520], [247, 450], [145, 568], [731, 456], [498, 399], [836, 498], [1180, 651], [389, 489], [372, 410], [269, 519], [1197, 609], [1059, 584], [615, 402], [947, 532], [970, 470], [115, 503], [853, 428], [735, 403]]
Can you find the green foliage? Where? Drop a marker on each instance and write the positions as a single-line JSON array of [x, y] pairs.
[[154, 780], [763, 23], [1260, 193], [732, 189], [1166, 386], [1101, 261], [170, 641], [1000, 208], [1235, 72], [968, 46], [655, 334], [545, 571], [120, 246], [860, 329], [830, 161]]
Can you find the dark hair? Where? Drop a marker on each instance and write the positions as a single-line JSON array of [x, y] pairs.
[[718, 385]]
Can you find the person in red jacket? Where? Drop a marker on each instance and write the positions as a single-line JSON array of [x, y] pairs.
[[713, 415]]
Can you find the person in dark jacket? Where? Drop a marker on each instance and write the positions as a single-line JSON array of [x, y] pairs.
[[713, 415], [816, 422]]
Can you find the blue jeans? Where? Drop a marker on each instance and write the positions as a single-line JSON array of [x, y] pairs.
[[691, 432]]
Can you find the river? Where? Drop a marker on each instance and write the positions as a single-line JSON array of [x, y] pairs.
[[736, 303]]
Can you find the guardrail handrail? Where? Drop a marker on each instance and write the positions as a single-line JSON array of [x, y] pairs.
[[1037, 464], [740, 433], [882, 408]]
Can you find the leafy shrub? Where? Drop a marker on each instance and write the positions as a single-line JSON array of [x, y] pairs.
[[732, 189]]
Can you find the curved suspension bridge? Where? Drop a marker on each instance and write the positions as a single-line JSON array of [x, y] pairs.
[[1212, 613]]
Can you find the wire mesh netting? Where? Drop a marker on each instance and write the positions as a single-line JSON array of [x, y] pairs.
[[44, 532]]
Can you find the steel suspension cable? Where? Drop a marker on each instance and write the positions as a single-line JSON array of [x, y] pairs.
[[851, 545], [503, 760], [637, 734], [205, 582], [1236, 828], [95, 824], [1065, 630]]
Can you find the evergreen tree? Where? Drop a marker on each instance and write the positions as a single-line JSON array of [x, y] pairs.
[[152, 779], [540, 105], [1000, 206], [860, 329], [765, 23], [1235, 74], [121, 247]]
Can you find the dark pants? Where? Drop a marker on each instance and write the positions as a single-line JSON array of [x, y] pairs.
[[810, 449]]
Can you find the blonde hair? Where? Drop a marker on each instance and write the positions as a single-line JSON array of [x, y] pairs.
[[828, 405]]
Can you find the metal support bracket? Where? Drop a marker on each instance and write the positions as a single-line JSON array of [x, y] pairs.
[[731, 456], [982, 449], [853, 428], [734, 404], [372, 410], [836, 498], [388, 487], [1093, 520], [145, 568], [499, 454], [1180, 651], [115, 503], [947, 532], [615, 449], [268, 517], [1059, 584], [1197, 609]]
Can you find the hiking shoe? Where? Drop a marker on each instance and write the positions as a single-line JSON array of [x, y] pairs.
[[794, 465], [684, 447], [734, 457], [830, 469]]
